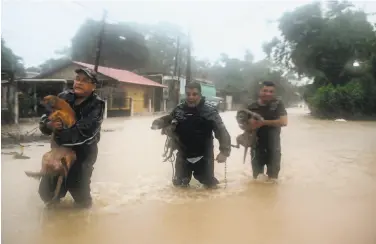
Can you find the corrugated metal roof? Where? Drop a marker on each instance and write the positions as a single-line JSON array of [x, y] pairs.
[[122, 75]]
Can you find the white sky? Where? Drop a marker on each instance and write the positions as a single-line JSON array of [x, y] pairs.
[[34, 30]]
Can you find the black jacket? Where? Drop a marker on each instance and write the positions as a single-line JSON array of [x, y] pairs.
[[89, 116], [195, 127]]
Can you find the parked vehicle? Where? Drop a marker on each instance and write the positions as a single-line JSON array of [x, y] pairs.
[[175, 91]]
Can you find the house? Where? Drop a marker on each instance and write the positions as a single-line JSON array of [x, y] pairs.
[[126, 93]]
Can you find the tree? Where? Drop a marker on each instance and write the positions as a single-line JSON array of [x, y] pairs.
[[245, 75], [122, 47], [10, 61], [33, 69], [323, 45], [152, 48], [161, 40], [131, 46]]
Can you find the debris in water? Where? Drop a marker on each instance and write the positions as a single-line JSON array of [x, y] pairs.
[[340, 120], [16, 155], [20, 156]]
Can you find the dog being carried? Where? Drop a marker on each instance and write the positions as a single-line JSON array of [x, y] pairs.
[[248, 138], [167, 126], [59, 159]]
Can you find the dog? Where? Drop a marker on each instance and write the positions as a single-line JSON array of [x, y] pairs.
[[248, 138], [167, 125], [59, 159]]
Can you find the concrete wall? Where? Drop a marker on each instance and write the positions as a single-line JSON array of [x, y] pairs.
[[141, 97]]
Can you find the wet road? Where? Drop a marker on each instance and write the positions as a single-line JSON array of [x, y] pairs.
[[326, 194]]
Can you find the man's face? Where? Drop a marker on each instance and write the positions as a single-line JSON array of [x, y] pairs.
[[83, 86], [267, 93], [193, 96]]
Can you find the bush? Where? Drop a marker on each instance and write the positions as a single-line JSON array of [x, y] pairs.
[[353, 99]]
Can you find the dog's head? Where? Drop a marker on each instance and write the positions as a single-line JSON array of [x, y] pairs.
[[161, 122], [157, 124], [50, 102], [242, 117]]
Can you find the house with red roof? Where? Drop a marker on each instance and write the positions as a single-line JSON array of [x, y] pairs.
[[123, 90]]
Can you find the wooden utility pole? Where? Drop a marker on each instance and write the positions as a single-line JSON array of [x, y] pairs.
[[100, 41]]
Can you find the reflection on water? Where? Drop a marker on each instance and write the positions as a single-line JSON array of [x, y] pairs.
[[326, 194]]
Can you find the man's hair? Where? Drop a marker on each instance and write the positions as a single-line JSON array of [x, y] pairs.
[[193, 85], [267, 83]]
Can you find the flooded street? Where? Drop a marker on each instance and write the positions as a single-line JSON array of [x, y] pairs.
[[326, 192]]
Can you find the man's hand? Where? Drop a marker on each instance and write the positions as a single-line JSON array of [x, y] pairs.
[[221, 158], [57, 125], [255, 124]]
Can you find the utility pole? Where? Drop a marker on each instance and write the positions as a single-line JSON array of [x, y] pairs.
[[188, 75], [177, 55], [100, 41]]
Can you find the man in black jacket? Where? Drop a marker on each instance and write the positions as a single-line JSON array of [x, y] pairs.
[[196, 120], [82, 138]]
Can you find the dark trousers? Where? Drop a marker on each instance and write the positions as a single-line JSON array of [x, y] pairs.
[[78, 179], [203, 170], [262, 156]]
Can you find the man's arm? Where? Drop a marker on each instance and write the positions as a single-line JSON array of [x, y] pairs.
[[221, 133], [282, 121], [84, 130]]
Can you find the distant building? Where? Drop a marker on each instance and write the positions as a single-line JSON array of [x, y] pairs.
[[123, 90]]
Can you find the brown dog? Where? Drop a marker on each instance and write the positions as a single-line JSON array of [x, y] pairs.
[[248, 138], [59, 159]]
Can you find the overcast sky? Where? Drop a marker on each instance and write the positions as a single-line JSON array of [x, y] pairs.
[[34, 30]]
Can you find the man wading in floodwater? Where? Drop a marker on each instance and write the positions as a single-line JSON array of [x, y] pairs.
[[196, 120], [82, 138], [268, 146]]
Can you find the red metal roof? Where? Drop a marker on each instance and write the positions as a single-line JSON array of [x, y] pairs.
[[122, 75]]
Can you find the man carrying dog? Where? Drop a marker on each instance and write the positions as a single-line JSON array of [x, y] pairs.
[[268, 146], [196, 120], [82, 138]]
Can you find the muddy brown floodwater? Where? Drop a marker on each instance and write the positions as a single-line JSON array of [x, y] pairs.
[[326, 194]]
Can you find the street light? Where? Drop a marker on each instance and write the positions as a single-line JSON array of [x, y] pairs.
[[122, 38], [356, 64]]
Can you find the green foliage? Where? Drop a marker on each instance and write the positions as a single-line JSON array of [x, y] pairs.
[[129, 53], [342, 100], [323, 45], [11, 62]]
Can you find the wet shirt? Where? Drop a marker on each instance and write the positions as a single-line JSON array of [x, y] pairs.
[[195, 131], [269, 136]]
